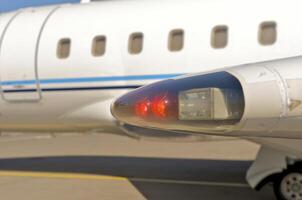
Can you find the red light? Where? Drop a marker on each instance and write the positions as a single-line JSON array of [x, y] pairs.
[[159, 106], [142, 108]]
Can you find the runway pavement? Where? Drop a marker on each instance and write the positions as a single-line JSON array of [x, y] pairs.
[[102, 166]]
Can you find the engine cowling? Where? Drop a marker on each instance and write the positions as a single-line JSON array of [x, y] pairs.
[[256, 100]]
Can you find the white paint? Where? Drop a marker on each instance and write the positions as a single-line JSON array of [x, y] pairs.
[[117, 20]]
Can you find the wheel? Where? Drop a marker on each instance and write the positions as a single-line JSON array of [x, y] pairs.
[[288, 186]]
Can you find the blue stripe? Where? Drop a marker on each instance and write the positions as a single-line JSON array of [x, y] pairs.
[[91, 79], [74, 89]]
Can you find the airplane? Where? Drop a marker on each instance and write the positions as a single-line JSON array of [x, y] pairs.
[[260, 102], [71, 61]]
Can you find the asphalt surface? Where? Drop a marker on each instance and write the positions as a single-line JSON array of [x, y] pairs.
[[102, 166]]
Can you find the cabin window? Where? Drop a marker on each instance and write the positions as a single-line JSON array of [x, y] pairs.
[[219, 38], [98, 46], [135, 45], [267, 33], [63, 49], [176, 40]]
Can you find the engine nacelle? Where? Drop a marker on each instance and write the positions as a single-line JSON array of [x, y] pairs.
[[256, 100]]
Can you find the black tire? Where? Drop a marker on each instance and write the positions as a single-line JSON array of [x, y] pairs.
[[285, 178]]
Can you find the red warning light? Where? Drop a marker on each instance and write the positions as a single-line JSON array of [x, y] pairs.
[[159, 106], [142, 108]]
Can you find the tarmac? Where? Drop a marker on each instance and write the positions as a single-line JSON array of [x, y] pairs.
[[110, 167]]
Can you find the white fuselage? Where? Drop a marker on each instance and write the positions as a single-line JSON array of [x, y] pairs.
[[41, 92]]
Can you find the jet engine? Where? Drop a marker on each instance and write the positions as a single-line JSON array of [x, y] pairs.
[[255, 100]]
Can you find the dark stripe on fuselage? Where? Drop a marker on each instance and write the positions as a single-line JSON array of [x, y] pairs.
[[74, 89], [90, 79]]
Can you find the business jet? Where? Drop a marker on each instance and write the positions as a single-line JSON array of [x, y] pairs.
[[61, 66]]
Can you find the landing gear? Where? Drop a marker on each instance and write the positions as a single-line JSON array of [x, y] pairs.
[[272, 166], [288, 185], [275, 166]]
